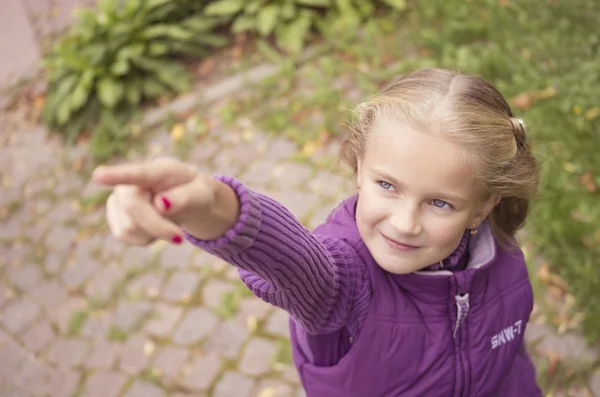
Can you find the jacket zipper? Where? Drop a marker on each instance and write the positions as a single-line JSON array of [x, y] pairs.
[[462, 309]]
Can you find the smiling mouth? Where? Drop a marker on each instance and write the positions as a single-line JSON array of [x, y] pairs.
[[398, 245]]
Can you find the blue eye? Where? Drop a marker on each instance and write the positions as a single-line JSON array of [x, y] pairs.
[[440, 203], [385, 185]]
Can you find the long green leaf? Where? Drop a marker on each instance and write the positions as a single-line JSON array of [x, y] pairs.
[[82, 91], [267, 18], [316, 3], [110, 91], [172, 31], [225, 7], [397, 4], [292, 36], [200, 23], [243, 23]]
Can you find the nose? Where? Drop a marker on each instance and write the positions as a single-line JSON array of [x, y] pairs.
[[405, 218]]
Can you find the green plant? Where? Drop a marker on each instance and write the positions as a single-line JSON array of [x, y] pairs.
[[121, 54], [292, 20]]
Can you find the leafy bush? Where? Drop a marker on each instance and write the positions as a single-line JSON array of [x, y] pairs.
[[291, 20], [121, 54]]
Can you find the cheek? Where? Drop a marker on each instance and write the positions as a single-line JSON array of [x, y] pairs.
[[370, 210], [446, 236]]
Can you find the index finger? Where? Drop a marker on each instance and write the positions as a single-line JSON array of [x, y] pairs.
[[128, 174]]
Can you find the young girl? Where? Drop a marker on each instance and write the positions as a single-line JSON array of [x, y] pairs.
[[414, 286]]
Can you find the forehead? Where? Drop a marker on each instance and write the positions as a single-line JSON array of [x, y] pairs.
[[424, 161]]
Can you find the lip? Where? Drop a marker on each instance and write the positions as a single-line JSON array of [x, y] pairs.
[[397, 245]]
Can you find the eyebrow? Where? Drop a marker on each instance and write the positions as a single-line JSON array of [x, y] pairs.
[[383, 175]]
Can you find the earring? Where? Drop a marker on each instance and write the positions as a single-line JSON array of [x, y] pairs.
[[358, 189], [473, 232]]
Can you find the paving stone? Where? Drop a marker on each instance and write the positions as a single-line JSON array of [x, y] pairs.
[[181, 286], [54, 262], [17, 254], [203, 372], [24, 276], [128, 314], [133, 358], [137, 257], [103, 355], [60, 238], [319, 216], [278, 323], [257, 357], [170, 360], [148, 285], [227, 339], [272, 388], [63, 382], [12, 356], [61, 213], [144, 389], [233, 384], [327, 184], [97, 325], [111, 247], [103, 283], [203, 151], [290, 175], [6, 294], [280, 148], [19, 314], [163, 320], [33, 377], [104, 384], [226, 163], [243, 153], [252, 308], [49, 294], [77, 273], [63, 315], [568, 346], [38, 336], [298, 202], [214, 291], [595, 383], [258, 175], [68, 352], [289, 373], [197, 324], [175, 256]]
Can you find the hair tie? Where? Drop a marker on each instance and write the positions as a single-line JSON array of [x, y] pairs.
[[519, 131]]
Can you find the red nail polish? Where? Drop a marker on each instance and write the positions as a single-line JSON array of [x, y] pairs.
[[177, 239], [166, 203]]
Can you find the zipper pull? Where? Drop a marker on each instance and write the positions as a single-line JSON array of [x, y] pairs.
[[462, 308]]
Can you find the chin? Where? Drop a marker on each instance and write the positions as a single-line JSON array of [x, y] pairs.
[[396, 266]]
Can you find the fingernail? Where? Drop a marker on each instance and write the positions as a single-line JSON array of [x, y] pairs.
[[166, 203], [177, 239]]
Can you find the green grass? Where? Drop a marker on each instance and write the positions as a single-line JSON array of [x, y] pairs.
[[547, 52]]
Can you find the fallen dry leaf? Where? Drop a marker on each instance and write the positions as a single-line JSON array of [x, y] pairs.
[[268, 392], [588, 181], [177, 131], [527, 99], [592, 113]]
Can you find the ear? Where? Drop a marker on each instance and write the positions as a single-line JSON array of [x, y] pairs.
[[485, 209]]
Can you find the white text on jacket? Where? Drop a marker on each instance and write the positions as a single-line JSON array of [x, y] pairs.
[[506, 335]]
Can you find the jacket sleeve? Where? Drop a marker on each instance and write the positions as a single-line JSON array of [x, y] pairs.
[[315, 278]]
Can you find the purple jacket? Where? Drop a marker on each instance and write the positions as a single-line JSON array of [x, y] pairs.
[[360, 331]]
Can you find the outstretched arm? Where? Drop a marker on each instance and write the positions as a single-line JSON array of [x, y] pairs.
[[315, 278]]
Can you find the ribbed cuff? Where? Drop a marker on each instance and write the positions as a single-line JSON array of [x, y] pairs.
[[242, 235]]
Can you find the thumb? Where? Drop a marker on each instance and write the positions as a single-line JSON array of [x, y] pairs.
[[181, 202]]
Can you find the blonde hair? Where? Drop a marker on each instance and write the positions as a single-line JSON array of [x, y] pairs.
[[473, 114]]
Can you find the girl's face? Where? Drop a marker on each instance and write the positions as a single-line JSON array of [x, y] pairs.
[[417, 197]]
